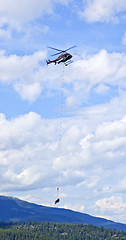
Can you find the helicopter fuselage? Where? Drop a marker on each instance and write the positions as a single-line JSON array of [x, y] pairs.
[[64, 57]]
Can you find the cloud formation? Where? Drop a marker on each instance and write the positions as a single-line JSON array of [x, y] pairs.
[[21, 73], [110, 206], [91, 155], [29, 75], [23, 140], [19, 19], [92, 151], [103, 11], [25, 11], [88, 150]]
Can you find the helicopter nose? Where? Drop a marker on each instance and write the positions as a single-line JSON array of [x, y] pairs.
[[70, 56]]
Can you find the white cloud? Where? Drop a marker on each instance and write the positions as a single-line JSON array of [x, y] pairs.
[[90, 164], [21, 72], [92, 157], [29, 92], [14, 67], [29, 137], [114, 202], [102, 89], [25, 10], [25, 151], [103, 11], [99, 72], [101, 67], [93, 142], [18, 19]]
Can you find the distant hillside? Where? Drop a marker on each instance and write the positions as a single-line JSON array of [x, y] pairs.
[[15, 210]]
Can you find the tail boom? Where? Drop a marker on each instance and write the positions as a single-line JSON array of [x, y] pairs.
[[49, 61]]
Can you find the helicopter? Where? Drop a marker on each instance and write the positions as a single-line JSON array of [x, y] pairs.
[[64, 56]]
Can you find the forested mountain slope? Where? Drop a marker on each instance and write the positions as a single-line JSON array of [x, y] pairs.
[[53, 231], [15, 210]]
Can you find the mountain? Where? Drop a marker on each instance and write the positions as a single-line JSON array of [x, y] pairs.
[[16, 210]]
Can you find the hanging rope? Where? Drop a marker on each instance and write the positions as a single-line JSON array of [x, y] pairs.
[[60, 135]]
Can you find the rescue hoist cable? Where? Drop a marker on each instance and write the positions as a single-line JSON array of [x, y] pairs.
[[60, 132]]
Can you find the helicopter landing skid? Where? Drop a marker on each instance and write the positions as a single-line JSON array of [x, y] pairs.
[[67, 63]]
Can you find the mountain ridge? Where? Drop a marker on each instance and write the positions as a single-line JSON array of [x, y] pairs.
[[16, 210]]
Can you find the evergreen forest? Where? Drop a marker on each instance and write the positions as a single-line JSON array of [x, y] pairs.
[[56, 231]]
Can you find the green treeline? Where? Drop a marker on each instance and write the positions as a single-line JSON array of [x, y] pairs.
[[56, 231]]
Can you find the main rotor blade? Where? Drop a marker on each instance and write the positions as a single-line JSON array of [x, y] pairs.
[[55, 49], [57, 53], [70, 48], [59, 50]]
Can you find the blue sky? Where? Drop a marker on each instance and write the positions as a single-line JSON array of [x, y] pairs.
[[91, 160]]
